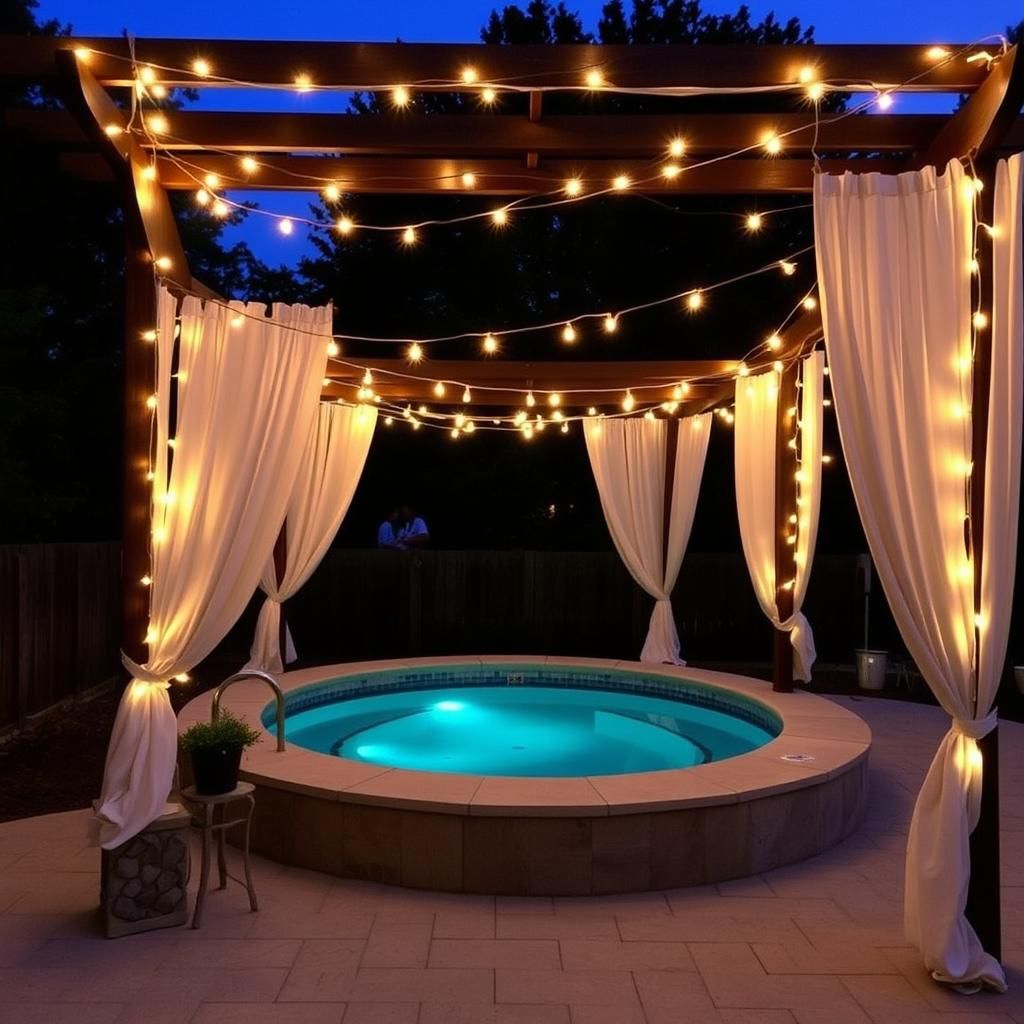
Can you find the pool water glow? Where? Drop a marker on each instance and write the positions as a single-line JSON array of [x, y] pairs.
[[529, 730]]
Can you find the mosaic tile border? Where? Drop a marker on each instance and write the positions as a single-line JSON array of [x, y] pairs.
[[469, 676]]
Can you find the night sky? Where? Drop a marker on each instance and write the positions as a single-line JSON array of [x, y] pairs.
[[867, 21]]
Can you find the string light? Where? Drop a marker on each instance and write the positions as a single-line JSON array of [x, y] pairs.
[[249, 165], [500, 216], [591, 411], [333, 348], [743, 370], [488, 96], [151, 402], [611, 325], [621, 182], [469, 75], [83, 54], [815, 91], [211, 181], [554, 399], [466, 396], [788, 267], [220, 208], [163, 263], [695, 301], [158, 124], [367, 378], [671, 171], [530, 400], [202, 67], [149, 172], [149, 335], [573, 187], [469, 179], [285, 226], [331, 193], [569, 334], [237, 321], [937, 53], [754, 221], [595, 80], [400, 96], [772, 143], [439, 389], [628, 402], [810, 303], [677, 148], [303, 83], [113, 130], [980, 320], [344, 225], [774, 343], [409, 236], [680, 391], [883, 100], [147, 75], [490, 344], [414, 353]]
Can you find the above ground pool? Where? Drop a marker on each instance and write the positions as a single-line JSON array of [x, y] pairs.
[[526, 721]]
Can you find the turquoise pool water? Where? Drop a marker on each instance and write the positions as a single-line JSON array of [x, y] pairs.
[[530, 730]]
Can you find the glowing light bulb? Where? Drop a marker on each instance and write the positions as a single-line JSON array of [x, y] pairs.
[[671, 171], [649, 415], [815, 91], [331, 193], [469, 75], [568, 334], [344, 225], [936, 53], [488, 96], [163, 263], [414, 353], [285, 226], [883, 100], [973, 266], [554, 399], [530, 400], [743, 370], [611, 324], [466, 396], [459, 420], [237, 321], [591, 410], [146, 580], [628, 402], [826, 459], [695, 301], [303, 83], [151, 402], [810, 303], [149, 335], [409, 236], [677, 148], [400, 96], [151, 633], [774, 343], [147, 75], [500, 216], [113, 130], [455, 432], [326, 383], [220, 208], [333, 348], [159, 91], [439, 389], [202, 67], [788, 267], [249, 165], [469, 179], [158, 124], [149, 172], [490, 344], [772, 143], [621, 182], [980, 320], [367, 378], [388, 420], [573, 187], [83, 54], [565, 428], [594, 79], [680, 391]]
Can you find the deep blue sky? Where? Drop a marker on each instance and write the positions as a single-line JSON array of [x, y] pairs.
[[924, 21]]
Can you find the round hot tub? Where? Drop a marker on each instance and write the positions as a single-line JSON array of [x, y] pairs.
[[546, 776]]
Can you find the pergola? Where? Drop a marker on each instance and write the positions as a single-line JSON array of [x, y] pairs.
[[513, 155]]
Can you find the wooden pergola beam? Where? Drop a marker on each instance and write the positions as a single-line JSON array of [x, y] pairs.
[[431, 176], [438, 66]]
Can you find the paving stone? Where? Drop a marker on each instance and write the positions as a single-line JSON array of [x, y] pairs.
[[537, 953]]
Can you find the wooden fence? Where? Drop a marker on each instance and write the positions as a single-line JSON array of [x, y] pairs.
[[59, 612], [59, 624]]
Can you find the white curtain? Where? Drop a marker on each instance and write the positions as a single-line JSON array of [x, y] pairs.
[[248, 390], [755, 428], [331, 466], [629, 460], [893, 263]]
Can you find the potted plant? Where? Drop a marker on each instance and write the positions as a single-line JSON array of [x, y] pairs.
[[215, 749]]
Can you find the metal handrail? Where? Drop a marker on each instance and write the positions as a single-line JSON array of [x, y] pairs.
[[254, 673]]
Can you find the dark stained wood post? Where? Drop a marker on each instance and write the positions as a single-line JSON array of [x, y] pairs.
[[983, 897], [280, 566], [671, 448], [785, 506]]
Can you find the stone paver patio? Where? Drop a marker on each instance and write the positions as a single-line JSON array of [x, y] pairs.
[[817, 943]]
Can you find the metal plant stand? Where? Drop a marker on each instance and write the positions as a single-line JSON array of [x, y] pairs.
[[209, 815]]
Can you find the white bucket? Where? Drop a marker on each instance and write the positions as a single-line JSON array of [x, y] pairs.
[[871, 666]]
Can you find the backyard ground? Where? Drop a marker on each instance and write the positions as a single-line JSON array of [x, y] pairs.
[[815, 943]]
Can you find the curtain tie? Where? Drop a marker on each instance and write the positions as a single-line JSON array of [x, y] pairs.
[[975, 728], [143, 674]]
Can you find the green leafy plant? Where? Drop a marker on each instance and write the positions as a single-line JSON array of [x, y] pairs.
[[226, 730]]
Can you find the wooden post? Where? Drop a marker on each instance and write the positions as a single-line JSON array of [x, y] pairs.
[[983, 897], [785, 506], [280, 567]]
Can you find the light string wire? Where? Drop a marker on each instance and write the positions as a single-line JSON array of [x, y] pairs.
[[527, 203]]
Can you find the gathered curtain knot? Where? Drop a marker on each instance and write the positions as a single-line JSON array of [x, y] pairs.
[[975, 728]]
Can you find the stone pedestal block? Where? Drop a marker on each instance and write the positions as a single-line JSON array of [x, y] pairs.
[[144, 882]]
